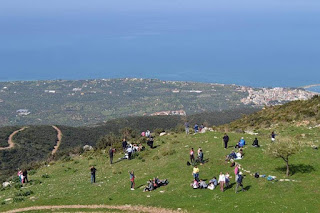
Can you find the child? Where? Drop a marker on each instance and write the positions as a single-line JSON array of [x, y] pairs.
[[132, 179], [227, 177]]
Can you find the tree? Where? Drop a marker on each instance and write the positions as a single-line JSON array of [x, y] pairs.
[[284, 148], [107, 140]]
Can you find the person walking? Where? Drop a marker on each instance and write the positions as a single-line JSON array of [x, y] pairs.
[[236, 172], [131, 179], [111, 151], [239, 182], [25, 176], [225, 140], [93, 174], [222, 180], [191, 155]]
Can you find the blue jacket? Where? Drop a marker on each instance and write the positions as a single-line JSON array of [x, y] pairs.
[[242, 142]]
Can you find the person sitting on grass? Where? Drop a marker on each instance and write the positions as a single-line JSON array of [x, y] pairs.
[[255, 143], [232, 155], [202, 184], [194, 184], [214, 182], [149, 186], [241, 143]]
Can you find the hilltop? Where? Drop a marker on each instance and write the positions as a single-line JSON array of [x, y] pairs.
[[87, 102]]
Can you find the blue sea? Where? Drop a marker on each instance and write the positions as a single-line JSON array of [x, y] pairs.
[[255, 43]]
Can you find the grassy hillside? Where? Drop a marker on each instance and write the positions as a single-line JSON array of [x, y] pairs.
[[36, 142], [68, 182], [293, 113]]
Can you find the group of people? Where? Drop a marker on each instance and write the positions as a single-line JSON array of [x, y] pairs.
[[241, 143], [23, 176], [199, 157], [154, 183], [196, 127], [129, 149], [223, 181], [235, 155]]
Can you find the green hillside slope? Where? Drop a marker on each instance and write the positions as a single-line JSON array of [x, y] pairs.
[[36, 143], [298, 113], [68, 182]]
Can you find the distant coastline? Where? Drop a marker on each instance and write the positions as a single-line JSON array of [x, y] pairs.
[[311, 87]]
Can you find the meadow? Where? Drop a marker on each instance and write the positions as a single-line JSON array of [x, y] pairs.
[[67, 181]]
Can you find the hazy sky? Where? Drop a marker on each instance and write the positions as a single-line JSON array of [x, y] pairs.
[[260, 43]]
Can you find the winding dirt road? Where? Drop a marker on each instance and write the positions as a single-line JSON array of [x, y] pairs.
[[59, 136], [10, 140], [124, 208]]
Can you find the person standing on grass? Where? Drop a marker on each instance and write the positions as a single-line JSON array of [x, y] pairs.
[[236, 172], [201, 157], [196, 128], [186, 126], [195, 173], [131, 179], [111, 151], [222, 180], [239, 182], [124, 145], [129, 150], [225, 140], [93, 174], [191, 155]]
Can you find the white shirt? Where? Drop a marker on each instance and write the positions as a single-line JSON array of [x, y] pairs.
[[222, 178]]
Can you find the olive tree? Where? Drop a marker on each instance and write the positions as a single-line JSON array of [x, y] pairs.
[[284, 148]]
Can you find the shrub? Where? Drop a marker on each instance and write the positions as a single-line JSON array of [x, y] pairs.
[[169, 152], [45, 176], [18, 199]]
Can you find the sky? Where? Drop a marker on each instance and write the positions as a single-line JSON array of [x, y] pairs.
[[255, 43]]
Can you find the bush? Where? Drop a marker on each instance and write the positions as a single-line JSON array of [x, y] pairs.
[[24, 193], [45, 176], [169, 152], [32, 172], [18, 199]]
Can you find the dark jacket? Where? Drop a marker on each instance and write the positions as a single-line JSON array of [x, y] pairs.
[[240, 178], [226, 138]]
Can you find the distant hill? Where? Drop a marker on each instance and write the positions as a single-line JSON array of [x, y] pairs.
[[298, 113]]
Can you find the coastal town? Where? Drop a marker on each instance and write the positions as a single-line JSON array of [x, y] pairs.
[[274, 96]]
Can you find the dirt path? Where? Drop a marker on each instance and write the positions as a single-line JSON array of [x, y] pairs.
[[124, 208], [10, 140], [59, 136]]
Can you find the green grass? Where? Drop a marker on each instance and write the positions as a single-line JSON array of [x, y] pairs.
[[68, 182]]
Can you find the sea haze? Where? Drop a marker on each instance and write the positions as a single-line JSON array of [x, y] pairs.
[[264, 43]]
